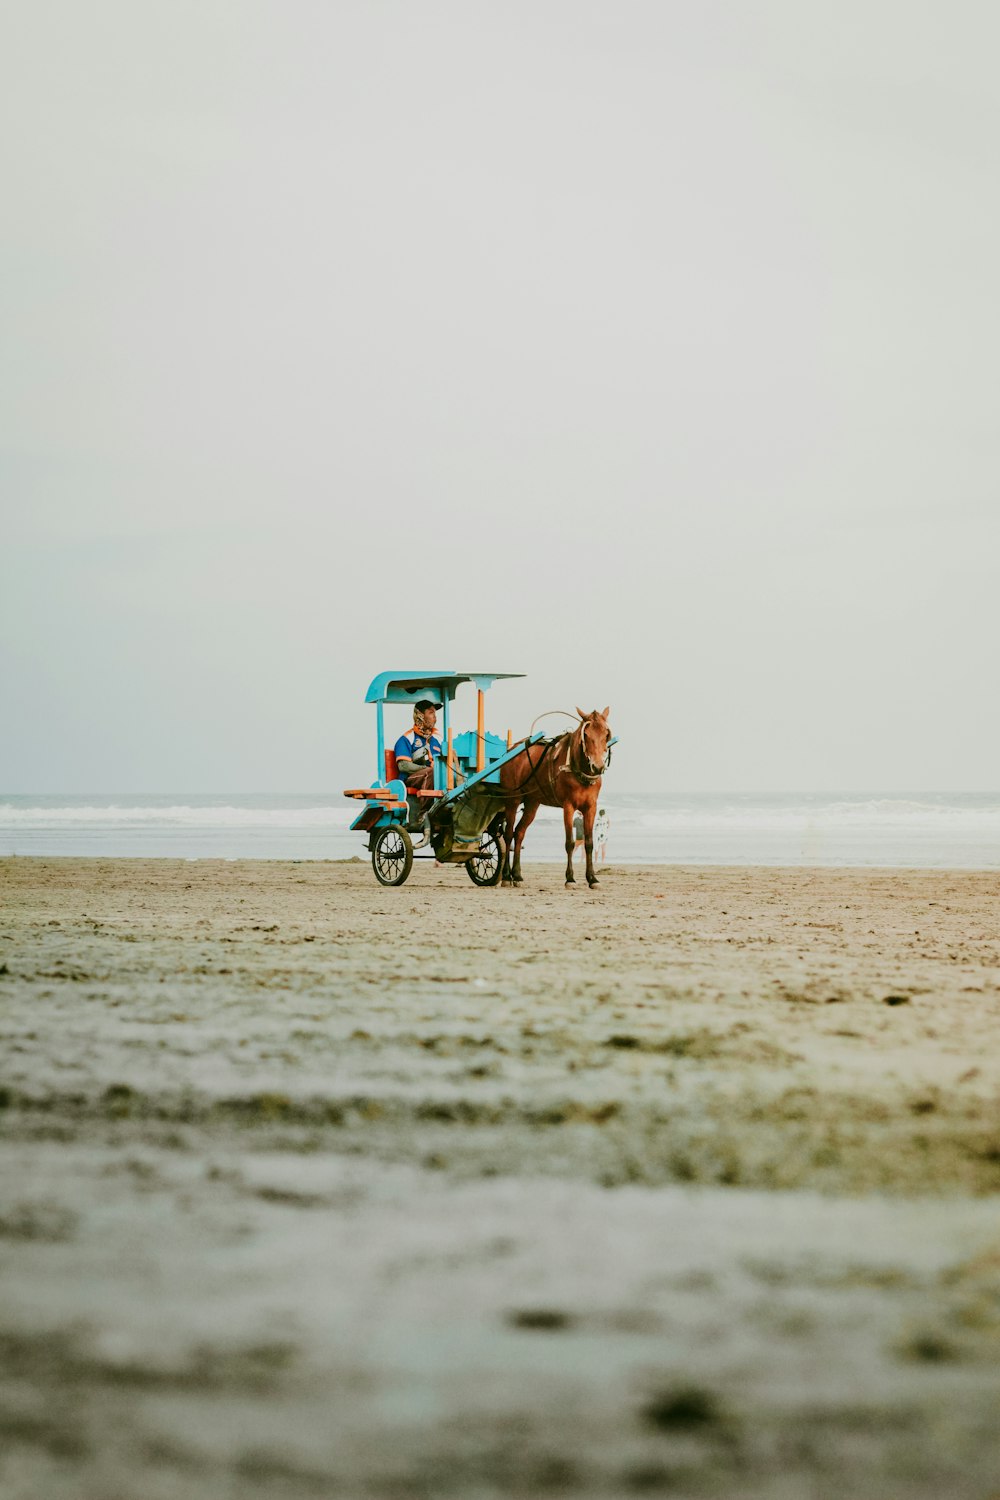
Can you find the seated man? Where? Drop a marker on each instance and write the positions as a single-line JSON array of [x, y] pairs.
[[415, 752]]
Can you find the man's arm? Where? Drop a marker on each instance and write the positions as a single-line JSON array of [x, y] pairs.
[[412, 756], [404, 757]]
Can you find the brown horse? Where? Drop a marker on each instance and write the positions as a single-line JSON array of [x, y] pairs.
[[565, 773]]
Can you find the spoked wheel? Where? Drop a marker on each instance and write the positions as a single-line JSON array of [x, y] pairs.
[[486, 867], [392, 856]]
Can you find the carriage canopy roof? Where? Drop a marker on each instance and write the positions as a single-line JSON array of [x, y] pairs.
[[407, 687]]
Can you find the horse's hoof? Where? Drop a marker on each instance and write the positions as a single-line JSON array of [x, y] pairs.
[[592, 883]]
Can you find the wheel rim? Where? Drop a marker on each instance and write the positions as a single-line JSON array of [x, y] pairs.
[[390, 855], [486, 862]]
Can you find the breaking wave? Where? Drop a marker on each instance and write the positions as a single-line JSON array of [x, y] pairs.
[[932, 830], [180, 815]]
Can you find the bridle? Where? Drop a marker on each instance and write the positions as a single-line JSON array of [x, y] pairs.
[[585, 772], [592, 773]]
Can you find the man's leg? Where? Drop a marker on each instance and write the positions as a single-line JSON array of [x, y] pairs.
[[422, 780]]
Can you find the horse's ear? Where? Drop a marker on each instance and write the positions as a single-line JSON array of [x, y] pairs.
[[604, 715], [581, 713]]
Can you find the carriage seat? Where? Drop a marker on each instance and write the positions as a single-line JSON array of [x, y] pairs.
[[392, 773]]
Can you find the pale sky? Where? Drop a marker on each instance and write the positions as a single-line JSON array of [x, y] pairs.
[[650, 349]]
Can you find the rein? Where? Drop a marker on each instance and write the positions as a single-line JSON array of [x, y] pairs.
[[511, 792], [587, 777]]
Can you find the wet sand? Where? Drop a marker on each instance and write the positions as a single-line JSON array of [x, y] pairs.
[[685, 1186]]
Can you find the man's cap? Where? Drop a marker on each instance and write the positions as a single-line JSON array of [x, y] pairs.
[[427, 703]]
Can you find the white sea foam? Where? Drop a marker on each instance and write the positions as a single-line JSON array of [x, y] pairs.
[[180, 815], [932, 830], [875, 813]]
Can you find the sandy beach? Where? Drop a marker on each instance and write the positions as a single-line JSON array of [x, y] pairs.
[[684, 1186]]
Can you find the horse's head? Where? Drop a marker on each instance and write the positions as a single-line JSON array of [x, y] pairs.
[[595, 737]]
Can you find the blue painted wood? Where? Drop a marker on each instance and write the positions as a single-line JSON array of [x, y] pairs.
[[467, 744], [492, 768], [398, 789], [408, 687], [380, 744]]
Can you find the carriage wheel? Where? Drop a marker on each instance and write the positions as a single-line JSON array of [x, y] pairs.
[[486, 867], [392, 856]]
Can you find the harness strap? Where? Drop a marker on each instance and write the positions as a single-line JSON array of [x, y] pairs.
[[588, 777]]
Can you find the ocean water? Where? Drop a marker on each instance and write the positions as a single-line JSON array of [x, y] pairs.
[[933, 829]]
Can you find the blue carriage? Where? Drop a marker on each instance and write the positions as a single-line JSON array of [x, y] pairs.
[[459, 818]]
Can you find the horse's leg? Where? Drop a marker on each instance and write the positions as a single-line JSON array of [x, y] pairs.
[[510, 818], [568, 812], [589, 817], [527, 818]]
